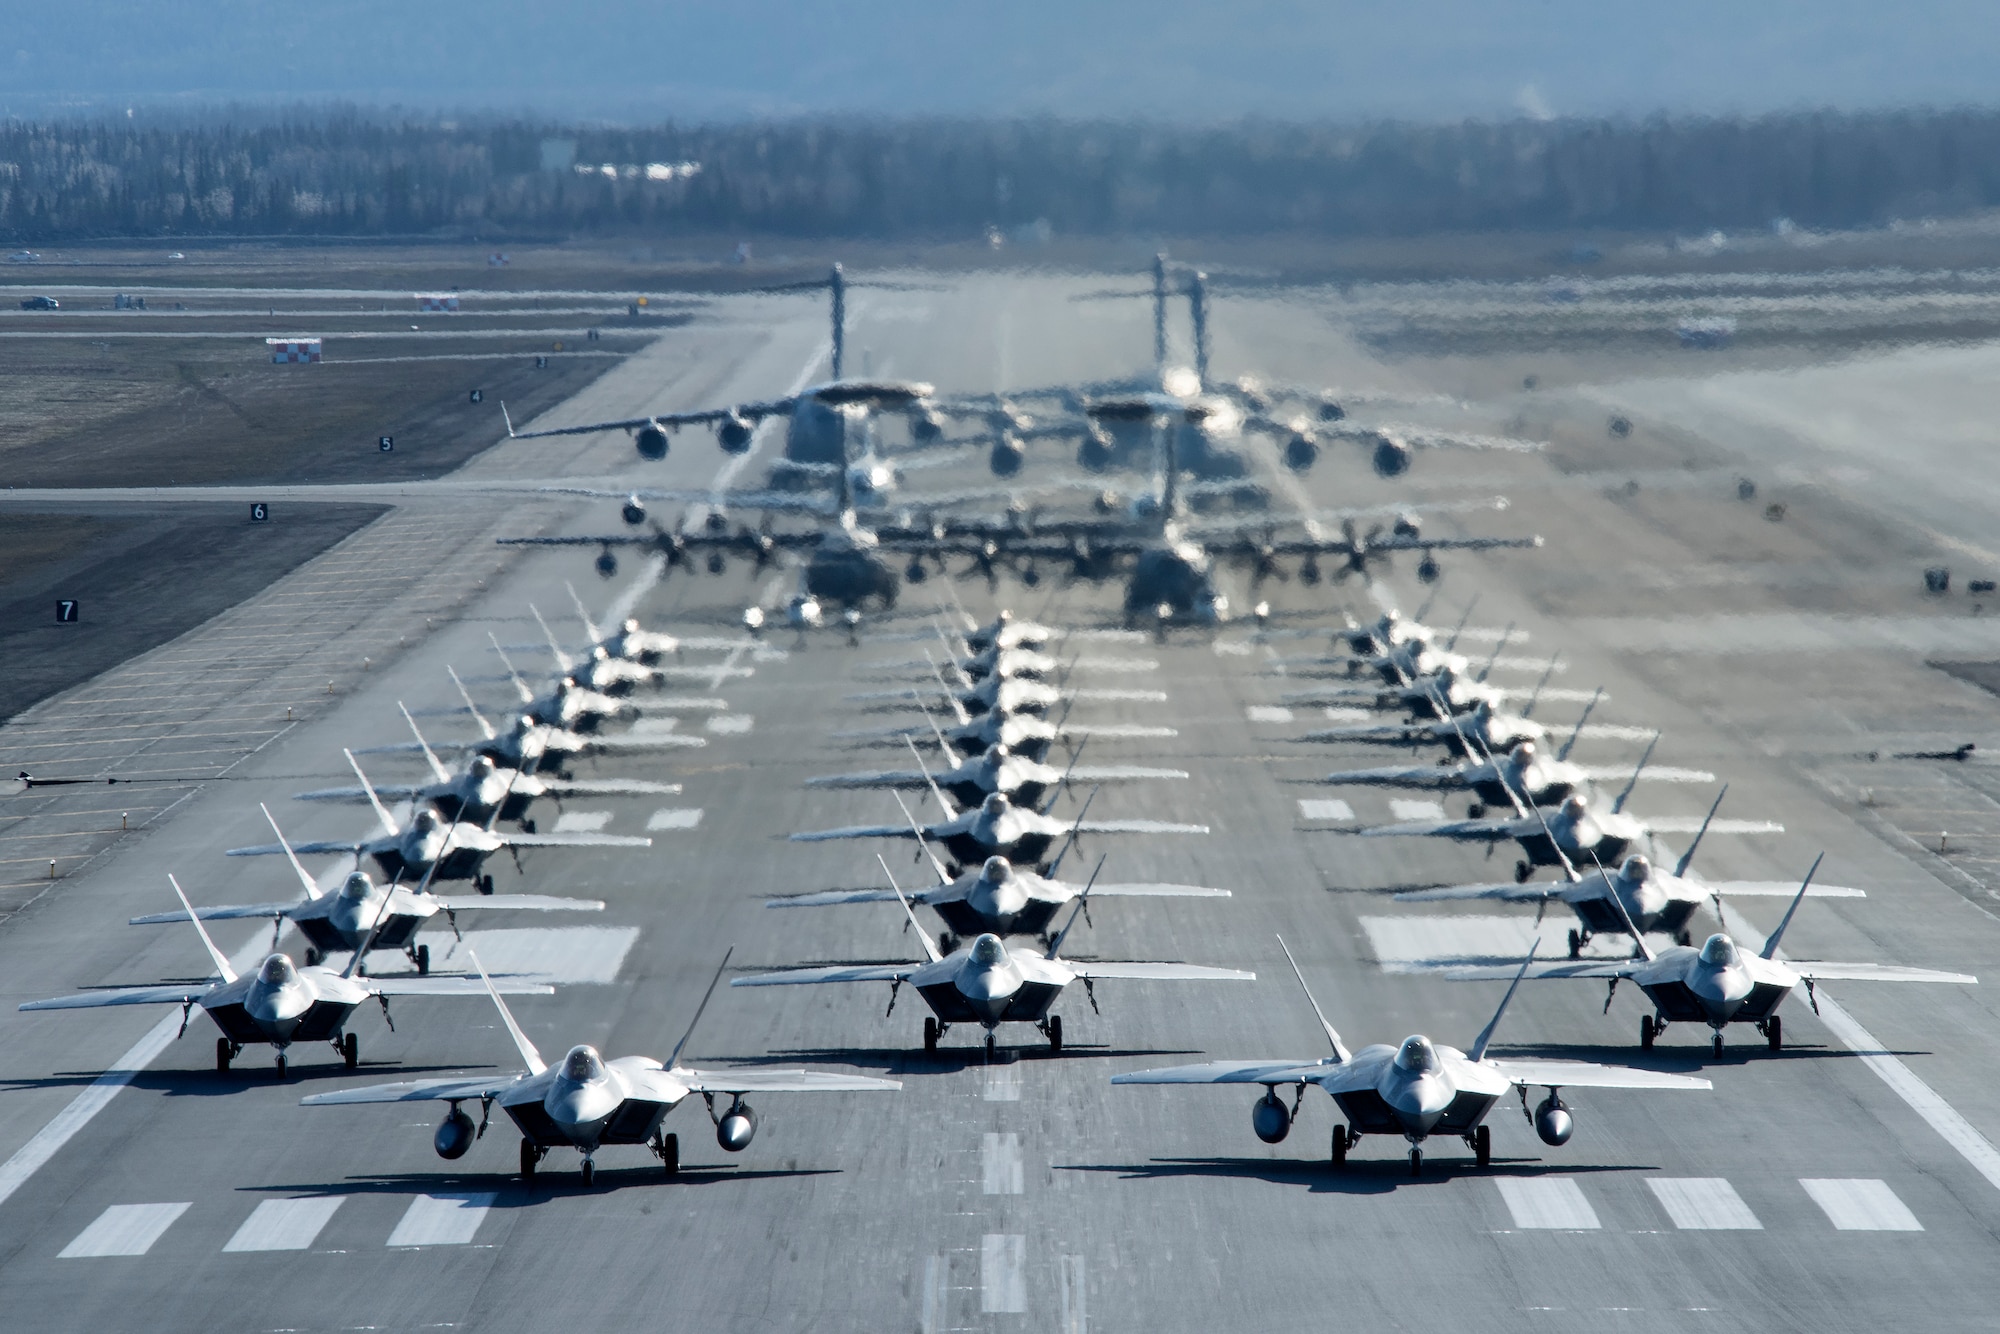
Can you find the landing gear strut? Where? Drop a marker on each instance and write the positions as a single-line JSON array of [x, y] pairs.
[[1774, 1032], [531, 1157], [225, 1052], [668, 1147], [589, 1173], [932, 1032], [1416, 1161]]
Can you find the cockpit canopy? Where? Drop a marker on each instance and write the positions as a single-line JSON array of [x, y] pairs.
[[482, 766], [357, 887], [998, 870], [1719, 951], [426, 820], [1417, 1056], [996, 803], [277, 971], [1575, 806], [582, 1065], [987, 951], [1636, 869]]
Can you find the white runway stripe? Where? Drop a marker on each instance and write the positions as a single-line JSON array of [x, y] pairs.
[[284, 1225], [1324, 808], [582, 822], [441, 1220], [1336, 713], [124, 1229], [731, 724], [1407, 809], [673, 819], [1003, 1284], [1000, 1163], [1547, 1202], [1269, 713], [557, 955], [1854, 1204], [1703, 1204]]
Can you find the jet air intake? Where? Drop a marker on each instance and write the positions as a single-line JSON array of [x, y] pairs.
[[1006, 457], [455, 1136]]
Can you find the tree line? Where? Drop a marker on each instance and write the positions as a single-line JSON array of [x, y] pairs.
[[356, 174]]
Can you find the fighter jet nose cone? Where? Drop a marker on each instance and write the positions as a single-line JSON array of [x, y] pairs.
[[997, 869], [1636, 869], [987, 951], [427, 820], [1718, 951]]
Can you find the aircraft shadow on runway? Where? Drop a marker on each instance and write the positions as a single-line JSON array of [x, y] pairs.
[[214, 1083], [1361, 1176], [951, 1059], [550, 1181]]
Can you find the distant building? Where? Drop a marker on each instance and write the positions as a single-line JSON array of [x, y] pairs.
[[293, 351]]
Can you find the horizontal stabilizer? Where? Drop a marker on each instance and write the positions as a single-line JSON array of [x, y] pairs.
[[415, 1090], [1821, 971], [90, 1000], [1783, 889], [516, 903], [224, 913], [1677, 824]]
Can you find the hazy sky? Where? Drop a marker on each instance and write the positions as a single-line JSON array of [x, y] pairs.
[[1188, 59]]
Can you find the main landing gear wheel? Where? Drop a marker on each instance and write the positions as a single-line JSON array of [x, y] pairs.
[[225, 1052], [1774, 1032], [670, 1155], [1575, 943], [484, 884], [1476, 811], [1416, 1162], [281, 1065], [350, 1050], [947, 942], [1482, 1145], [313, 957], [1521, 872], [589, 1173], [1055, 1032], [1647, 1032], [1340, 1145], [422, 958], [531, 1157], [930, 1037]]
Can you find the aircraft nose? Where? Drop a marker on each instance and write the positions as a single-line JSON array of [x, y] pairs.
[[1418, 1103]]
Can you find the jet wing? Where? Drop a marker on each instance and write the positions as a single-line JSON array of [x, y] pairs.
[[856, 831], [228, 912], [1411, 775], [831, 897], [1821, 971], [90, 1000], [516, 903], [1122, 773], [750, 411], [1599, 969], [1584, 1074], [277, 849], [881, 778], [386, 792], [1389, 733], [1157, 972], [1157, 891], [1506, 893], [648, 741], [434, 985], [416, 1090], [609, 787], [1229, 1072], [1675, 824], [888, 972], [575, 840], [1474, 831], [754, 1080], [1138, 827], [1785, 889]]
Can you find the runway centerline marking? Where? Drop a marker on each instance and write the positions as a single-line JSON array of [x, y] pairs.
[[1324, 808], [1075, 1318], [1548, 1202], [441, 1220], [1000, 1163], [1003, 1282], [284, 1225], [582, 822], [1860, 1205], [123, 1229], [673, 819], [1703, 1204], [1409, 809], [1268, 713]]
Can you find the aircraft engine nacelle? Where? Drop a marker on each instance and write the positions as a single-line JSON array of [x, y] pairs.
[[1271, 1119], [733, 434], [1428, 570], [1329, 411], [1301, 451], [1391, 457], [652, 441], [634, 512], [607, 564], [455, 1136], [916, 573], [1553, 1121], [1407, 525], [1006, 457], [737, 1127]]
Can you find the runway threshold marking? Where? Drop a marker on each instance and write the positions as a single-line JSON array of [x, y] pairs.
[[1860, 1205], [1548, 1203], [1904, 1082], [1000, 1163], [441, 1220], [284, 1225], [1707, 1204], [1003, 1282], [123, 1229]]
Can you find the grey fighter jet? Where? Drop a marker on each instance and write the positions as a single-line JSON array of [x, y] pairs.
[[999, 828], [281, 1003], [1005, 631], [987, 984], [995, 900], [1524, 771], [430, 847], [1491, 730], [364, 916], [1416, 1089], [971, 779], [586, 1102], [1719, 983]]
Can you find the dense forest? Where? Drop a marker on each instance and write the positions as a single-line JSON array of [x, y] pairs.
[[354, 174]]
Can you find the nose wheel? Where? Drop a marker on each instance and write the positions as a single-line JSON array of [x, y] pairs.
[[589, 1173], [281, 1064], [1718, 1044], [1416, 1162]]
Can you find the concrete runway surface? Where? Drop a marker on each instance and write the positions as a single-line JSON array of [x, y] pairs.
[[1847, 1183]]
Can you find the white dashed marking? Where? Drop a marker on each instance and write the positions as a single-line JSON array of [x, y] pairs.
[[673, 819], [559, 954], [1859, 1204], [731, 724], [124, 1229], [1003, 1083], [1406, 809], [441, 1220], [1708, 1204], [1411, 944], [582, 822], [1003, 1283], [1547, 1202], [284, 1225], [1324, 808], [1269, 713], [1336, 713], [1075, 1314], [1000, 1163]]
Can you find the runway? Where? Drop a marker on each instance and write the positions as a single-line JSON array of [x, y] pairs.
[[1838, 1185]]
